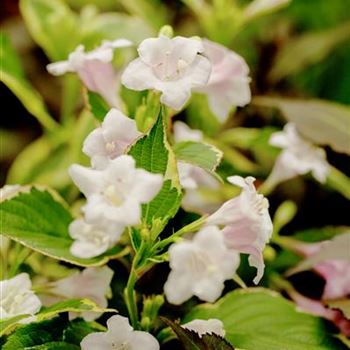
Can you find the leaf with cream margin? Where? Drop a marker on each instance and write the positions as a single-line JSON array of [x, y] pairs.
[[12, 75], [72, 305], [336, 249], [192, 341], [257, 318], [311, 47], [153, 153], [321, 121], [39, 220], [205, 156]]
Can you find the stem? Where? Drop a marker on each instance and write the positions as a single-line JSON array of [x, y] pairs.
[[193, 226], [129, 291]]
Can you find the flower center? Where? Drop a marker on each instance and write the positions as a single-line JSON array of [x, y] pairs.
[[110, 147], [170, 69], [122, 346], [113, 196]]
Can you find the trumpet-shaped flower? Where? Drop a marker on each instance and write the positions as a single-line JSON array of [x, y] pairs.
[[115, 193], [247, 223], [110, 140], [17, 298], [298, 157], [211, 326], [200, 267], [228, 84], [92, 240], [120, 335], [171, 66], [91, 283], [94, 68]]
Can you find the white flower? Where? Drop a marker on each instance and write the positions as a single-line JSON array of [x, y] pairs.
[[298, 157], [200, 267], [116, 193], [182, 132], [247, 223], [91, 283], [228, 84], [93, 239], [110, 140], [17, 298], [211, 326], [94, 68], [172, 66], [119, 336]]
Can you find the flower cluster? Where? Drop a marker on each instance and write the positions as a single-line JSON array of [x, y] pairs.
[[113, 186], [200, 266]]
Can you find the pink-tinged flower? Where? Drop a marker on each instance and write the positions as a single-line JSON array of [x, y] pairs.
[[298, 157], [94, 69], [111, 139], [91, 283], [211, 326], [246, 222], [316, 308], [172, 66], [336, 273], [228, 85], [200, 267], [120, 335], [115, 194]]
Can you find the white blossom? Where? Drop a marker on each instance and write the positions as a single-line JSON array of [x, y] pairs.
[[92, 240], [94, 68], [171, 66], [115, 193], [211, 326], [119, 336], [298, 157], [17, 298], [91, 283], [228, 85], [246, 221], [111, 139], [199, 267]]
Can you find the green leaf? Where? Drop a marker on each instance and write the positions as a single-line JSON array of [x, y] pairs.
[[40, 221], [54, 346], [192, 341], [12, 75], [260, 319], [311, 47], [153, 153], [99, 107], [206, 156], [323, 122], [36, 334], [72, 305], [53, 25]]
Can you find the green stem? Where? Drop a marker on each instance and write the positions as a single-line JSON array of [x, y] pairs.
[[129, 291], [193, 226]]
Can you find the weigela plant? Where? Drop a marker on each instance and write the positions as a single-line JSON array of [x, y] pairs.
[[151, 225]]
